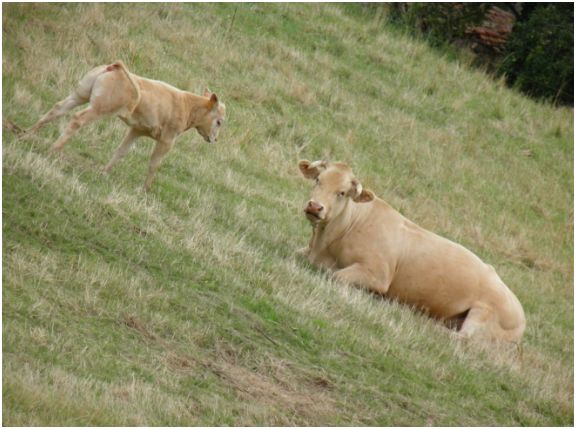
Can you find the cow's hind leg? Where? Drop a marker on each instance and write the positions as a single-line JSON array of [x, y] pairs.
[[80, 119], [455, 322], [59, 109], [479, 321]]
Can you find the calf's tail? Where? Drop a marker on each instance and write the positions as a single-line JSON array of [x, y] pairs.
[[119, 65]]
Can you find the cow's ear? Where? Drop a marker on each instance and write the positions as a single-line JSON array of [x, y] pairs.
[[365, 197], [359, 194], [311, 170]]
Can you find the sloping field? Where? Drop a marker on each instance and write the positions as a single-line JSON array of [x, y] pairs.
[[187, 306]]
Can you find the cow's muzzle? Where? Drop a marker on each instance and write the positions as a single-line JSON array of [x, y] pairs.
[[314, 211]]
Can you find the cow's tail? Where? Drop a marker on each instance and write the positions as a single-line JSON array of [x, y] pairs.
[[119, 65]]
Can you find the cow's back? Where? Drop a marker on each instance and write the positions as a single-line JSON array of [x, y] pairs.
[[443, 277]]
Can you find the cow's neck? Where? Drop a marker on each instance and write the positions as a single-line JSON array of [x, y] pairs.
[[325, 235]]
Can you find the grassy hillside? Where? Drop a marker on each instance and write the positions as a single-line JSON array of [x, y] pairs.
[[187, 306]]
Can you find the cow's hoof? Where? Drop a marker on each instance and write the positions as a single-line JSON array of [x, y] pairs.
[[302, 253]]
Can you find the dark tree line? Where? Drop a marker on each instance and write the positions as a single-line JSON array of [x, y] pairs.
[[539, 57], [531, 44]]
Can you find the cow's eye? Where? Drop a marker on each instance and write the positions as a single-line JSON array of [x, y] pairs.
[[219, 122], [341, 194]]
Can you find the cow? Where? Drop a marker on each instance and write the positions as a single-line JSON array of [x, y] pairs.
[[364, 242]]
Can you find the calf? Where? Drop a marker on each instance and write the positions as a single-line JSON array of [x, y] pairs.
[[366, 243], [149, 107]]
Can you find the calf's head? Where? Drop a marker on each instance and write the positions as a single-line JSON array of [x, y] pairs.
[[209, 125], [335, 188]]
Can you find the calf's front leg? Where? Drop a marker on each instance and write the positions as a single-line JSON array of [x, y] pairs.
[[360, 276], [122, 150], [162, 147]]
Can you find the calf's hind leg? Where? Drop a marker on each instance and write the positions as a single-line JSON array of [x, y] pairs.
[[80, 119], [59, 109]]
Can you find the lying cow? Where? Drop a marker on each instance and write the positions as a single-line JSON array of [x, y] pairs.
[[367, 243]]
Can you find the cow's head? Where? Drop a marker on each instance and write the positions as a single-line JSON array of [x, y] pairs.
[[209, 125], [335, 188]]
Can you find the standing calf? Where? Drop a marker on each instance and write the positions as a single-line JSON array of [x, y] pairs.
[[149, 107], [367, 243]]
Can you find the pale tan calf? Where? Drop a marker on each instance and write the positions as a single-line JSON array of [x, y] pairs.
[[367, 243], [150, 108]]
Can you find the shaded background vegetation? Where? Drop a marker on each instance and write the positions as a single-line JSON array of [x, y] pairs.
[[534, 52]]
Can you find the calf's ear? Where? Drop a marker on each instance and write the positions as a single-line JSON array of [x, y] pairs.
[[213, 102], [311, 170]]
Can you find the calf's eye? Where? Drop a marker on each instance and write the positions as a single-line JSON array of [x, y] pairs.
[[341, 194]]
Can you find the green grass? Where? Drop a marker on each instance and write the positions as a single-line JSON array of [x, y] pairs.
[[186, 306]]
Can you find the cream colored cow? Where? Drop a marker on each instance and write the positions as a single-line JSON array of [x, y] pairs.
[[367, 243]]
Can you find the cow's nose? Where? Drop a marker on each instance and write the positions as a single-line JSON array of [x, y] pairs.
[[314, 207]]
